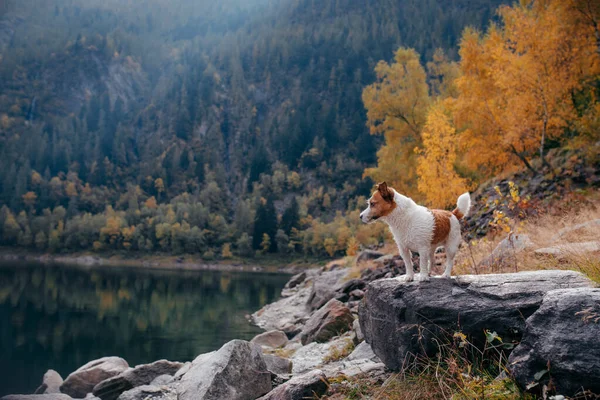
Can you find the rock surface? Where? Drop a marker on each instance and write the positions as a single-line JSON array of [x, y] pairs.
[[325, 288], [402, 319], [237, 371], [82, 381], [148, 392], [111, 388], [367, 255], [49, 396], [273, 339], [562, 333], [50, 383], [308, 386], [314, 354], [278, 365], [333, 319]]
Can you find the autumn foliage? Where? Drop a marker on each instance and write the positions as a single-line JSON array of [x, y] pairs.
[[529, 80]]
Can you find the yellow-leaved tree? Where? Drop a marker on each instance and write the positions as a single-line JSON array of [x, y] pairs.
[[396, 106], [438, 180], [517, 83]]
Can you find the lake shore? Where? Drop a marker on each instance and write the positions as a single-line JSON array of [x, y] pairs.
[[158, 261]]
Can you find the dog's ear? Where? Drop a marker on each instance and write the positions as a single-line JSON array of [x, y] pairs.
[[385, 192]]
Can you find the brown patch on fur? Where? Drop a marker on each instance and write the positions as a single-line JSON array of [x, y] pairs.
[[380, 206], [458, 214], [441, 225]]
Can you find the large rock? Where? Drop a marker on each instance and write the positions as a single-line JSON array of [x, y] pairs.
[[308, 386], [50, 383], [273, 339], [331, 320], [563, 334], [48, 396], [237, 371], [149, 392], [402, 319], [82, 381], [111, 388], [285, 313]]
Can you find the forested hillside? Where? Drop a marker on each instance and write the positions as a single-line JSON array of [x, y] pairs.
[[203, 127]]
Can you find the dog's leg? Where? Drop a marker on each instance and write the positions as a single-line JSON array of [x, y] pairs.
[[406, 257], [450, 254], [431, 260], [424, 264]]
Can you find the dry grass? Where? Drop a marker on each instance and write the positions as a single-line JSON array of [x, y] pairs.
[[338, 352], [554, 228]]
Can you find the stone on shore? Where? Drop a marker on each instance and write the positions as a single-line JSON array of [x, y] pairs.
[[278, 365], [308, 386], [333, 319], [144, 374], [273, 339], [81, 382], [325, 287], [237, 371], [50, 383], [149, 392], [562, 334], [400, 320]]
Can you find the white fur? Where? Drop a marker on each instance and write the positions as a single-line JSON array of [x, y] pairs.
[[412, 227]]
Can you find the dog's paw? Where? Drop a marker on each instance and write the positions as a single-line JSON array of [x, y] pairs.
[[408, 278], [422, 278], [445, 276]]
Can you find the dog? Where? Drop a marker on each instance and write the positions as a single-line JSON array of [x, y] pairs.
[[416, 228]]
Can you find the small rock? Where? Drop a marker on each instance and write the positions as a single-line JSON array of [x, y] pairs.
[[162, 380], [273, 339], [333, 319], [367, 255], [237, 371], [325, 287], [296, 280], [111, 388], [50, 383], [147, 392], [353, 284], [356, 328], [308, 386], [291, 330], [363, 352], [357, 294], [81, 382], [278, 365], [314, 354]]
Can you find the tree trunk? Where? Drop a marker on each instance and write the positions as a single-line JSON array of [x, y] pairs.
[[523, 159]]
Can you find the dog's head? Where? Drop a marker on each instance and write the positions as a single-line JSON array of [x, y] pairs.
[[380, 204]]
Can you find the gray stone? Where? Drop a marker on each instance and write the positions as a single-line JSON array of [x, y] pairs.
[[81, 382], [148, 392], [284, 312], [367, 255], [48, 396], [402, 319], [273, 339], [278, 365], [296, 280], [144, 374], [563, 333], [50, 383], [237, 371], [161, 380], [325, 287], [311, 385], [356, 328], [363, 352], [569, 249], [333, 319], [314, 354], [505, 252]]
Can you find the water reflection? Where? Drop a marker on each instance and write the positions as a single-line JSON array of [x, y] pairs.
[[60, 318]]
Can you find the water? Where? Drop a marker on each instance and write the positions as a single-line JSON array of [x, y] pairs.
[[60, 318]]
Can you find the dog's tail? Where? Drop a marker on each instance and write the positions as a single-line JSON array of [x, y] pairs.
[[463, 204]]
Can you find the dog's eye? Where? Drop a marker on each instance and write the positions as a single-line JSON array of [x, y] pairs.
[[372, 204]]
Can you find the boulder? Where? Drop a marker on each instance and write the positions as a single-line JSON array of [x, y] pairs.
[[148, 392], [50, 383], [48, 396], [278, 365], [308, 386], [367, 255], [237, 371], [325, 287], [401, 319], [111, 388], [82, 381], [273, 339], [333, 319], [285, 312], [562, 335]]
